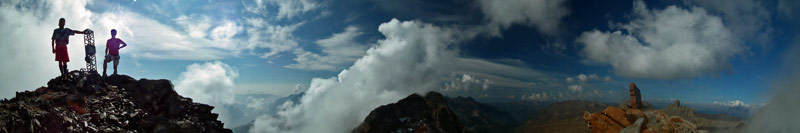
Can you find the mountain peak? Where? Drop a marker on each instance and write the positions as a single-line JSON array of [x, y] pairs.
[[412, 114], [87, 102]]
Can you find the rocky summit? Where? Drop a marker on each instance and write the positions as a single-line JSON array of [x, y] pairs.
[[634, 119], [414, 113], [87, 102]]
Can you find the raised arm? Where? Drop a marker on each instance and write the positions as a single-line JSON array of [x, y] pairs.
[[79, 32], [123, 44]]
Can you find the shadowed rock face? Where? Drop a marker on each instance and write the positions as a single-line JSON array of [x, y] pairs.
[[87, 102], [636, 97], [412, 114]]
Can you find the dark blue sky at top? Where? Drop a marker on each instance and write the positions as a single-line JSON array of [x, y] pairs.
[[747, 80]]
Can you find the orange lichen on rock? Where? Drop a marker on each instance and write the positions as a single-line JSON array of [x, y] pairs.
[[614, 119]]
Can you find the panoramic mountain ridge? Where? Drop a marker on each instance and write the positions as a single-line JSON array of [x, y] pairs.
[[86, 102], [414, 113]]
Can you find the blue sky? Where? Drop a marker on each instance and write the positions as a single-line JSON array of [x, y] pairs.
[[696, 51]]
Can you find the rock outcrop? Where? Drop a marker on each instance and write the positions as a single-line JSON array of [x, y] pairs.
[[87, 102], [412, 114], [561, 117], [636, 96], [633, 119]]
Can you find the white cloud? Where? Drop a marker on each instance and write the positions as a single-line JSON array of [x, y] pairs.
[[287, 9], [209, 83], [734, 103], [28, 61], [583, 77], [414, 57], [575, 88], [298, 88], [340, 49], [197, 25], [749, 20], [465, 82], [412, 54], [536, 97], [150, 39], [276, 38], [544, 14], [664, 44]]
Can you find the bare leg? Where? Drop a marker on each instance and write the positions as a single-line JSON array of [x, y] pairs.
[[105, 65], [62, 66], [116, 63]]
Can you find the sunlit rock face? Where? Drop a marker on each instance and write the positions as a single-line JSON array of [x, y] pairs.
[[87, 102], [635, 119]]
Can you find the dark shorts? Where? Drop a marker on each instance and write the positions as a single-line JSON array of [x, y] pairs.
[[110, 57], [61, 53]]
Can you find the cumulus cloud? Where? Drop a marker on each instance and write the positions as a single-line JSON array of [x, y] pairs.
[[210, 83], [465, 82], [575, 88], [664, 44], [412, 54], [746, 19], [545, 15], [340, 49], [28, 61]]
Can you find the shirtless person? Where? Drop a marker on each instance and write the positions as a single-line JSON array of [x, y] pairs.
[[59, 43], [112, 51]]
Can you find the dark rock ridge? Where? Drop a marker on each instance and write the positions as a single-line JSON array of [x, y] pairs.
[[87, 102], [412, 114]]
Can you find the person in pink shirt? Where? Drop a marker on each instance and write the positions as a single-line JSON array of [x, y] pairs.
[[112, 51]]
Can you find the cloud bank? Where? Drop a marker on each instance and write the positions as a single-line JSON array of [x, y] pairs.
[[28, 61], [545, 15], [413, 53], [340, 49], [664, 44], [780, 114], [210, 83]]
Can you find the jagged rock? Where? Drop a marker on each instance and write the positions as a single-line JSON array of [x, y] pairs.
[[614, 119], [412, 114], [87, 102], [636, 96]]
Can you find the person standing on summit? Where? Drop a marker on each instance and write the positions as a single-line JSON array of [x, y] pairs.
[[59, 43], [112, 51]]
